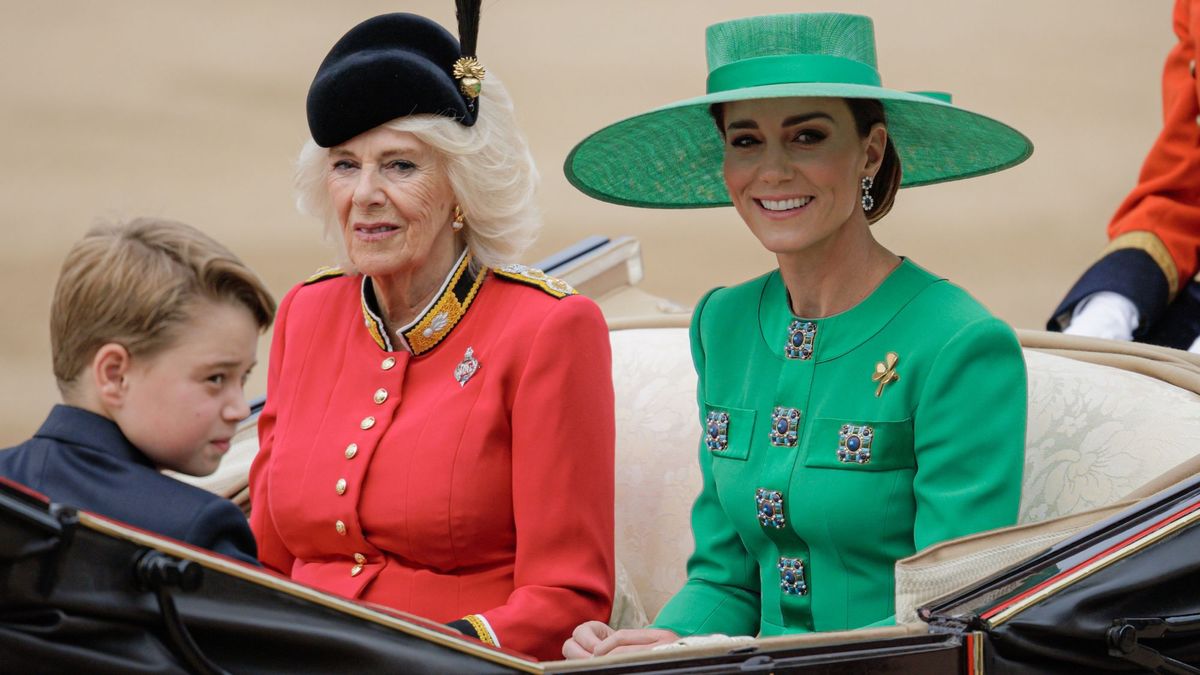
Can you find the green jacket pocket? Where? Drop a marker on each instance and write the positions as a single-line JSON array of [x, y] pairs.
[[860, 445], [728, 431]]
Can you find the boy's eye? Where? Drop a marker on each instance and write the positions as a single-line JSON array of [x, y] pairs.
[[217, 379]]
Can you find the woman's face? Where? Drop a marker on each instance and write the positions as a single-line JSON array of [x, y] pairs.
[[794, 168], [393, 201]]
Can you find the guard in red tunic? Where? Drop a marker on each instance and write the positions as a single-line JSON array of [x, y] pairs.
[[1143, 286]]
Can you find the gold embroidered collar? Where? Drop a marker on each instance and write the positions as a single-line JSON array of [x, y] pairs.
[[438, 318]]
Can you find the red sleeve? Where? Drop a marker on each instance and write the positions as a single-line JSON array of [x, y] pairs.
[[563, 440], [1166, 201], [271, 550]]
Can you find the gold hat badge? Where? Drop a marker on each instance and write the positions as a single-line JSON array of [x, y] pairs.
[[469, 73], [885, 372]]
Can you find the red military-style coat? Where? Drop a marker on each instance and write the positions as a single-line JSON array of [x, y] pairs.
[[1154, 237], [459, 469]]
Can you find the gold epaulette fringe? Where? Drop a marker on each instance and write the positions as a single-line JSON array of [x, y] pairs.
[[324, 273], [532, 276]]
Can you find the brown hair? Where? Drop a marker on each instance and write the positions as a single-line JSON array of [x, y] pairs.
[[134, 283], [867, 112]]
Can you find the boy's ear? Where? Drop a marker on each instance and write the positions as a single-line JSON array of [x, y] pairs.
[[110, 366]]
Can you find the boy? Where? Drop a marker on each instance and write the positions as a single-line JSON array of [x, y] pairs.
[[153, 331]]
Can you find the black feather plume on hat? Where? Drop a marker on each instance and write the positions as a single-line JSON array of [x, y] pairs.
[[468, 34], [468, 24]]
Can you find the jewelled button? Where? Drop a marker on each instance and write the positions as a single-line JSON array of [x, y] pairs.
[[770, 508], [854, 443], [367, 423], [800, 340], [340, 527], [381, 395], [360, 558], [356, 570], [340, 487], [351, 450], [784, 425], [791, 576], [716, 430], [388, 363]]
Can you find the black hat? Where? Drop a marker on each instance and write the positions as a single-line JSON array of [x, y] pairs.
[[391, 66]]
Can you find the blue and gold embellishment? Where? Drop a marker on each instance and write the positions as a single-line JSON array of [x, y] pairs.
[[800, 340], [716, 431], [791, 576], [532, 276], [784, 425], [769, 504], [885, 372], [854, 443]]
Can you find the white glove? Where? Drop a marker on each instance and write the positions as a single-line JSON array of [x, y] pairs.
[[1107, 315], [1195, 348]]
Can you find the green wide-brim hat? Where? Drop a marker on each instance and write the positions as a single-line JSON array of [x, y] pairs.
[[672, 157]]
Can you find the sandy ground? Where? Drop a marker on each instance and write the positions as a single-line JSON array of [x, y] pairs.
[[195, 111]]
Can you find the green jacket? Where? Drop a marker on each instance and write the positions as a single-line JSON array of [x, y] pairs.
[[816, 478]]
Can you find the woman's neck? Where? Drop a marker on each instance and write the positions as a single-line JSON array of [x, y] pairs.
[[403, 295], [834, 275]]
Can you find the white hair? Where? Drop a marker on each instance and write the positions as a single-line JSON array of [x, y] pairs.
[[489, 167]]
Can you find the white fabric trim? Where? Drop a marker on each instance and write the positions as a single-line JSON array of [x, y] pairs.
[[387, 341], [488, 626]]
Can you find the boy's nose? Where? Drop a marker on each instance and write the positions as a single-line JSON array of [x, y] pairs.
[[238, 409]]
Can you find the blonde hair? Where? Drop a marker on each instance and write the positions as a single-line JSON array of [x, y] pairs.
[[489, 167], [135, 283]]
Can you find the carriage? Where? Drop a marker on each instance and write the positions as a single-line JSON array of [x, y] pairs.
[[1098, 575]]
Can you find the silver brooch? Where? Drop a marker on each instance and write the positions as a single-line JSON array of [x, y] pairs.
[[466, 368]]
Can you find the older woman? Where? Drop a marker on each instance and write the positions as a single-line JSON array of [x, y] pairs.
[[856, 407], [438, 434]]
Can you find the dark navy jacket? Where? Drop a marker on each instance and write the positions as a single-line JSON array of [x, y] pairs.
[[82, 459]]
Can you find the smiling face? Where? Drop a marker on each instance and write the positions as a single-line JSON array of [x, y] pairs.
[[393, 202], [794, 168], [180, 406]]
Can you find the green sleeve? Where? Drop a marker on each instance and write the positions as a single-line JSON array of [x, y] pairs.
[[722, 593], [969, 433]]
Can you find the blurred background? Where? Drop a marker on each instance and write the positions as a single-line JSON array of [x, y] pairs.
[[195, 111]]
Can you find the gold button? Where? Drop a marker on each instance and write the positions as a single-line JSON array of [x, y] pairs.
[[341, 486], [340, 527], [360, 558], [388, 363], [356, 570], [380, 395], [367, 423], [351, 450]]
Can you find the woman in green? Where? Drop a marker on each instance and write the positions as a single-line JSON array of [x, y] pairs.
[[856, 407]]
